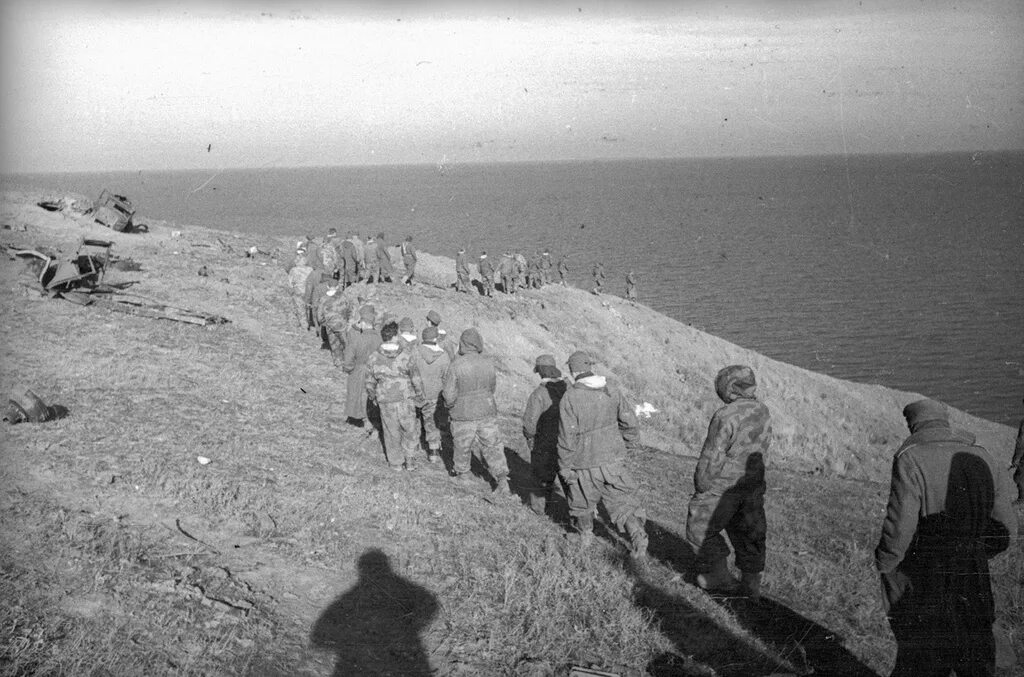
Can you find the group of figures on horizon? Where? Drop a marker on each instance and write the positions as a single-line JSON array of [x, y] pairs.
[[353, 259], [949, 509]]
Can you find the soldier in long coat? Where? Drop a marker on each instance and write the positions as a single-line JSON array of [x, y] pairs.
[[540, 428], [362, 340], [729, 487], [949, 512]]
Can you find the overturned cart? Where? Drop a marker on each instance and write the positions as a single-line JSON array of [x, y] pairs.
[[80, 280]]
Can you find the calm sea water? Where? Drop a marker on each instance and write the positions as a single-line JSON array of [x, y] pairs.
[[906, 271]]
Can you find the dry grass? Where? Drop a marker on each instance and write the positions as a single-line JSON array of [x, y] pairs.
[[123, 555]]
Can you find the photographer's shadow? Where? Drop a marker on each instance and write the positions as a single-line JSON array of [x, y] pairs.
[[374, 628]]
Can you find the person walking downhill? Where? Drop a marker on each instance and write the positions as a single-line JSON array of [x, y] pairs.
[[428, 366], [468, 389], [506, 270], [349, 264], [486, 269], [949, 513], [335, 312], [408, 260], [389, 386], [729, 487], [361, 342], [540, 428], [596, 427], [545, 268]]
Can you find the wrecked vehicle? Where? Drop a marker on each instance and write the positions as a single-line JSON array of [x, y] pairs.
[[80, 280], [85, 269], [114, 211]]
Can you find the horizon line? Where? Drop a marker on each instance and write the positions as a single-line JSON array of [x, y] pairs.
[[549, 161]]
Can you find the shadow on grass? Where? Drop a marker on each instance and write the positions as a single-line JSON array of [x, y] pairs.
[[808, 646], [374, 628], [523, 482]]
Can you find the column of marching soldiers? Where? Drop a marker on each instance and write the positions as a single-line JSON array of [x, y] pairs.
[[578, 431]]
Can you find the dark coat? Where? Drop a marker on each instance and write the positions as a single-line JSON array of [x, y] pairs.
[[948, 513]]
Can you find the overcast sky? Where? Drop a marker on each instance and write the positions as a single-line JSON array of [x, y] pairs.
[[96, 86]]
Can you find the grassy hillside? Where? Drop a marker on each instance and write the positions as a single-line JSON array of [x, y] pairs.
[[297, 551]]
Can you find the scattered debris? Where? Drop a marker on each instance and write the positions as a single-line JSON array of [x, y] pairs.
[[114, 211], [203, 460], [204, 271], [25, 405], [645, 410], [136, 305]]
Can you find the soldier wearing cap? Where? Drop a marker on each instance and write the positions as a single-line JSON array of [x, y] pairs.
[[461, 271], [361, 342], [540, 428], [389, 386], [729, 487], [428, 365], [468, 389], [596, 427], [407, 334], [948, 514], [443, 340]]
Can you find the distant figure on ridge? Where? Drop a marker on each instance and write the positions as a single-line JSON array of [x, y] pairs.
[[506, 269], [948, 514], [729, 487], [563, 269], [486, 274], [372, 265], [468, 389], [596, 427], [360, 343], [298, 275], [631, 287], [384, 265], [598, 274], [408, 260], [540, 428], [545, 268], [462, 283]]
